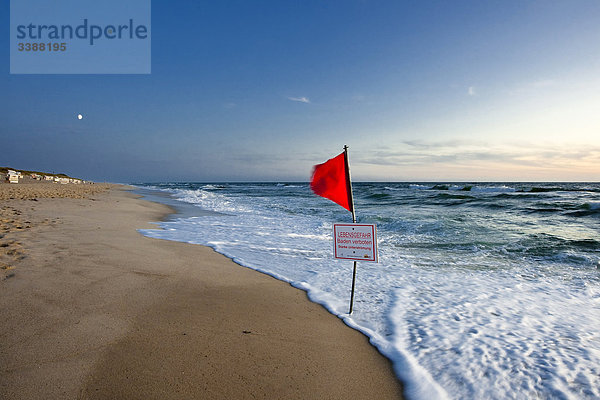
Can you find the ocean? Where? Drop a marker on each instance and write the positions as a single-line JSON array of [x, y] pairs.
[[482, 290]]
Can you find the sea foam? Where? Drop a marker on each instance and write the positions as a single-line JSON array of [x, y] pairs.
[[468, 301]]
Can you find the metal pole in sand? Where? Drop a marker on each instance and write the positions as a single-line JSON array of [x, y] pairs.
[[351, 200]]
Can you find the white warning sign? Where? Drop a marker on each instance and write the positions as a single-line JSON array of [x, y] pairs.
[[355, 242]]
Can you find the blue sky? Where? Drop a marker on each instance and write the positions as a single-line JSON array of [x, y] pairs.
[[262, 90]]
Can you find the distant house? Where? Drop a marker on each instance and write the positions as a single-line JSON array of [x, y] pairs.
[[13, 176], [48, 177]]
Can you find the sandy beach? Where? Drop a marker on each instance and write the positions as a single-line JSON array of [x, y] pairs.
[[92, 309]]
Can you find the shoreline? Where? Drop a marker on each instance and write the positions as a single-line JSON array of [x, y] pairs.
[[94, 309]]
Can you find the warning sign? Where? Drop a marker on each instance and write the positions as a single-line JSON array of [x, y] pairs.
[[355, 242]]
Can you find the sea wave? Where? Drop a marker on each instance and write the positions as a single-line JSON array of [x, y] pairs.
[[545, 189], [488, 293], [209, 200], [493, 189], [420, 187]]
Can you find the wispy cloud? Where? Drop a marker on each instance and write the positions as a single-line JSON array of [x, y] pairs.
[[471, 91], [428, 145], [299, 99], [477, 153]]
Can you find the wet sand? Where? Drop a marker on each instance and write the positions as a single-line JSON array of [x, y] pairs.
[[92, 309]]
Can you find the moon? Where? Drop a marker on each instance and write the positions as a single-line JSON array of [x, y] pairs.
[[79, 116]]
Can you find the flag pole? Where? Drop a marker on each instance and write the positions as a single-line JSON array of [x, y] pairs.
[[351, 200], [349, 180]]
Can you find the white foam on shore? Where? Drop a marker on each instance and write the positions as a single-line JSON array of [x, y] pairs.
[[455, 326]]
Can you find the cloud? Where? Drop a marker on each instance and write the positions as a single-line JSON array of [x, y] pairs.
[[471, 91], [455, 153], [427, 145], [299, 99]]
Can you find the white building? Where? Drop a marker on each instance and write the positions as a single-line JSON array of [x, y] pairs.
[[13, 176]]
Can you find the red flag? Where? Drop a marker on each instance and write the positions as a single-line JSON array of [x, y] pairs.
[[332, 181]]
